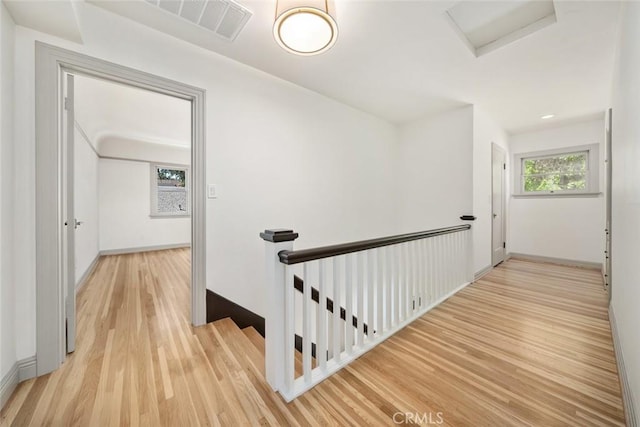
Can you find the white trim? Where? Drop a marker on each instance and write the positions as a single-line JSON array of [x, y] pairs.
[[26, 368], [143, 249], [20, 371], [480, 274], [84, 136], [593, 178], [8, 384], [51, 62], [627, 392], [554, 195], [80, 283], [559, 261]]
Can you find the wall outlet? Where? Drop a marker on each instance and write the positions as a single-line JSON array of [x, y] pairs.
[[212, 192]]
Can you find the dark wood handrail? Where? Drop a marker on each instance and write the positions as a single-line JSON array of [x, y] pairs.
[[304, 255]]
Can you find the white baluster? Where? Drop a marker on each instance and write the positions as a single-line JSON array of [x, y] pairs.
[[371, 286], [289, 329], [348, 304], [460, 258], [396, 284], [445, 264], [408, 303], [360, 296], [422, 270], [469, 260], [337, 322], [415, 263], [321, 318], [438, 265], [306, 324], [430, 272], [380, 278], [388, 300]]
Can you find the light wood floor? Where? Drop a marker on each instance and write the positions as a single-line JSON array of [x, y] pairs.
[[529, 344]]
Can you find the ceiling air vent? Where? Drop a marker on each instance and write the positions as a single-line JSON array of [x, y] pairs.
[[226, 18]]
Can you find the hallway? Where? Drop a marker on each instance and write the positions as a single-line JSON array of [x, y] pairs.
[[528, 344]]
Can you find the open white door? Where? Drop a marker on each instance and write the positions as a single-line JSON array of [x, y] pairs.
[[70, 223], [498, 169], [607, 178]]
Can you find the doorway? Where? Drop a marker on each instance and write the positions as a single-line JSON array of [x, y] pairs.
[[54, 215], [498, 174], [128, 183]]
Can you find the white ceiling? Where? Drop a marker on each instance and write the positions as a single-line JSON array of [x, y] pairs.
[[402, 60], [107, 110]]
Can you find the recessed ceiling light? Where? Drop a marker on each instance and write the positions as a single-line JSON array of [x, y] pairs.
[[548, 116]]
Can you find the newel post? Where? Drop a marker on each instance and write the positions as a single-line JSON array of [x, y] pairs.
[[276, 240]]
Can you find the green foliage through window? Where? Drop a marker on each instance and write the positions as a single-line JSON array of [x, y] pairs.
[[171, 177], [565, 172]]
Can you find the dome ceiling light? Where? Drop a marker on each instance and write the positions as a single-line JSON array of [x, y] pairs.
[[305, 27]]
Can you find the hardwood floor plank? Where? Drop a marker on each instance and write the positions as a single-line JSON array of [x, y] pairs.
[[529, 344]]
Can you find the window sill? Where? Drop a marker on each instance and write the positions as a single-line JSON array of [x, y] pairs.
[[169, 216], [554, 195]]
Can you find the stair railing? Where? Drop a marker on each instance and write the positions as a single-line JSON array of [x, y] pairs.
[[386, 283]]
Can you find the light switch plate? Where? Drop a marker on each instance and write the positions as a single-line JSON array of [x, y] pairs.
[[212, 192]]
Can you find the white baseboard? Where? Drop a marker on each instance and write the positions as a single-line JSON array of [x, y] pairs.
[[20, 371], [144, 249], [482, 273], [88, 272], [627, 393], [27, 368], [552, 260], [8, 385]]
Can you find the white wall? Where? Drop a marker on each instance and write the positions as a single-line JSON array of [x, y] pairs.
[[85, 204], [486, 132], [570, 228], [124, 205], [280, 155], [625, 237], [435, 170], [7, 209]]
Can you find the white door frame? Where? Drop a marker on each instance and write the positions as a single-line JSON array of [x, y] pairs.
[[496, 147], [51, 61]]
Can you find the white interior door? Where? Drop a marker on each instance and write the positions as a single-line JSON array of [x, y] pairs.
[[70, 223], [498, 169], [607, 177]]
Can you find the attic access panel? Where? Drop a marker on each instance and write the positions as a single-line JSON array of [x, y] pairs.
[[485, 26]]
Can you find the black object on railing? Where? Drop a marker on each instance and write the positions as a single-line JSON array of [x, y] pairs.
[[304, 255], [468, 218], [298, 284]]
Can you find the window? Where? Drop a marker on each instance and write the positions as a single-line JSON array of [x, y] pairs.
[[170, 191], [570, 171]]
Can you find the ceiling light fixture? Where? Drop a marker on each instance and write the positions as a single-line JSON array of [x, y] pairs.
[[548, 116], [305, 27]]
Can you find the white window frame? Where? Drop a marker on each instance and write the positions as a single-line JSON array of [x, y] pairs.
[[593, 175], [154, 191]]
